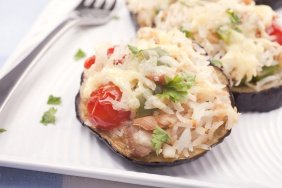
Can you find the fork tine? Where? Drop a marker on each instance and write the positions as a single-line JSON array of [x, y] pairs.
[[113, 5], [92, 4], [81, 4], [102, 6]]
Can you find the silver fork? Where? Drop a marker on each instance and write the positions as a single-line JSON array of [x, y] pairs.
[[83, 14]]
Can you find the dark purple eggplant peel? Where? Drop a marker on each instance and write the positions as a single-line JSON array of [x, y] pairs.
[[121, 148], [248, 100], [273, 3]]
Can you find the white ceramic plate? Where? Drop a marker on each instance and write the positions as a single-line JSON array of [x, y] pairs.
[[249, 157]]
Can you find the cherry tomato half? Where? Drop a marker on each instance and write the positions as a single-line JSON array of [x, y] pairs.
[[101, 111], [89, 62], [276, 31]]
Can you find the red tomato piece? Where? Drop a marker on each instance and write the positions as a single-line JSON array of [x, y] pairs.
[[101, 111], [110, 51], [89, 62], [276, 31]]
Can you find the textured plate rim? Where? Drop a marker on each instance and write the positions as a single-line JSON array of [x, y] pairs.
[[98, 173], [123, 176]]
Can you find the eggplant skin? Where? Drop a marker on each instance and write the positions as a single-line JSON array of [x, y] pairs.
[[273, 3], [227, 83], [263, 101], [140, 162]]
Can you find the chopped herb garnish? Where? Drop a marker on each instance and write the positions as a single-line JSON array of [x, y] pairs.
[[160, 137], [140, 54], [141, 111], [224, 33], [266, 71], [52, 100], [79, 55], [157, 11], [187, 33], [216, 63], [145, 54], [243, 81], [49, 117], [115, 18], [2, 130], [234, 18], [177, 88], [134, 50]]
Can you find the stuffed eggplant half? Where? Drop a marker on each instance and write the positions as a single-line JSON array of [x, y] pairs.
[[156, 101], [242, 38]]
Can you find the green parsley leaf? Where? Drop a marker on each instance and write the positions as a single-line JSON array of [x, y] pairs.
[[141, 111], [54, 100], [175, 96], [187, 33], [115, 18], [2, 130], [134, 50], [49, 117], [224, 33], [234, 18], [79, 55], [216, 63], [147, 53], [177, 88], [159, 137], [139, 54], [266, 71]]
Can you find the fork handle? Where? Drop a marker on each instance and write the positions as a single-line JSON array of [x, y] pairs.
[[10, 81]]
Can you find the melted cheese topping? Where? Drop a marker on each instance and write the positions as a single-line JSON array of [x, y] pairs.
[[134, 78], [241, 58]]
